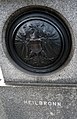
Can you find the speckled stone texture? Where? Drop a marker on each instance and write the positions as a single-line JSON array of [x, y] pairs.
[[68, 72], [38, 103]]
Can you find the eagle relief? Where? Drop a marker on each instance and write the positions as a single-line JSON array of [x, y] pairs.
[[37, 43]]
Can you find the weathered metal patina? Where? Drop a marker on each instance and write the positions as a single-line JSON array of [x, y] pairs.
[[38, 40]]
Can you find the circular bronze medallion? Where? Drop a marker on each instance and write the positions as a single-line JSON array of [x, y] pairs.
[[38, 40]]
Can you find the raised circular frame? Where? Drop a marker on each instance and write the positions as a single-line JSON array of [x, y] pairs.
[[38, 39]]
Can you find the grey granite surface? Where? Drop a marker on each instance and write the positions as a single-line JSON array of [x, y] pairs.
[[39, 102], [33, 102], [68, 72]]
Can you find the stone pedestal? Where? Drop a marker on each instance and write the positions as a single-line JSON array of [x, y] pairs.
[[26, 95], [12, 72], [36, 102]]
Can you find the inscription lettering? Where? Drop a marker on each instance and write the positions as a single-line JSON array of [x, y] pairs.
[[42, 103]]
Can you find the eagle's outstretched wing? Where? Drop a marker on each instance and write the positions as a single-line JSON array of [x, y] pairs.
[[52, 45]]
